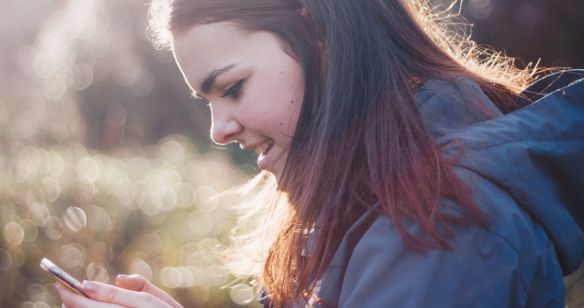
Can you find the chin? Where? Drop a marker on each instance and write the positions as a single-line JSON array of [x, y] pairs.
[[277, 174], [277, 169]]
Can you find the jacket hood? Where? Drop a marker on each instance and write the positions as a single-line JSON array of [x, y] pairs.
[[535, 153]]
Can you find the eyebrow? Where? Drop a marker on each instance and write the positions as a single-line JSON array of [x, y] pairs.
[[209, 81]]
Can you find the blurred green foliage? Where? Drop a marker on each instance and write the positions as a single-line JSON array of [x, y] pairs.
[[153, 211], [105, 162]]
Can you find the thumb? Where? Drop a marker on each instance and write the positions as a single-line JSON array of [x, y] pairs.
[[131, 282]]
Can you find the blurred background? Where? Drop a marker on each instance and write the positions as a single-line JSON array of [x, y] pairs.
[[105, 162]]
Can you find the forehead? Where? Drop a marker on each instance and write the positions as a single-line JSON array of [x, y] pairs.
[[207, 47], [207, 43]]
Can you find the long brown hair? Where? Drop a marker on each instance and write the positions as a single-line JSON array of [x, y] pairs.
[[360, 138]]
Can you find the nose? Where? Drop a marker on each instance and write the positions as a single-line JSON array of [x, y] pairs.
[[224, 127]]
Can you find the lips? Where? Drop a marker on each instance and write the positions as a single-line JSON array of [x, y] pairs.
[[263, 148], [263, 159]]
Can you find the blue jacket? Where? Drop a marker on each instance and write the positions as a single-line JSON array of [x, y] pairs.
[[526, 170]]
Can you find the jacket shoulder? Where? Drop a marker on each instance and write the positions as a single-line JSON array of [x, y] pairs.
[[382, 272]]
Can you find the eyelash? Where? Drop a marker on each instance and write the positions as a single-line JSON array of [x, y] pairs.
[[235, 90]]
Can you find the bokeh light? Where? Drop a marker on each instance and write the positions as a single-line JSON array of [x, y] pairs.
[[98, 219], [53, 228], [481, 9], [72, 256], [142, 268], [75, 218], [206, 198], [13, 233], [242, 294], [50, 189], [88, 169], [171, 277], [40, 213], [97, 272], [200, 224]]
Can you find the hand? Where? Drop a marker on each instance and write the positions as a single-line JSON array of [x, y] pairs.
[[108, 296], [138, 283]]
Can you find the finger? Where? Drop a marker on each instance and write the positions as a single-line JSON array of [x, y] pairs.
[[132, 282], [73, 300], [138, 283], [112, 294]]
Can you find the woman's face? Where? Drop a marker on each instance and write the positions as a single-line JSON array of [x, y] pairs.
[[254, 87]]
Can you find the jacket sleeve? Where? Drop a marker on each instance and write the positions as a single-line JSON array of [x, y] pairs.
[[481, 270]]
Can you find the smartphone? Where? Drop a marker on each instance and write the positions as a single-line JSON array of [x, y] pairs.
[[62, 276]]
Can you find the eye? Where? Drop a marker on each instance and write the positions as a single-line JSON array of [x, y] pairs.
[[234, 91]]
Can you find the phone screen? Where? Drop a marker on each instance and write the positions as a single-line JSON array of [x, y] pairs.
[[62, 276]]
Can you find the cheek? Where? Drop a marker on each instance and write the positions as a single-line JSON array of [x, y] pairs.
[[285, 105], [275, 98], [294, 99], [293, 83]]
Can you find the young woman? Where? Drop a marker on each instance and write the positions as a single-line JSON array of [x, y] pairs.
[[413, 170]]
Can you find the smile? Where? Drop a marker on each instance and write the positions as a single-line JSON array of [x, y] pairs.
[[263, 148], [263, 158], [263, 151]]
